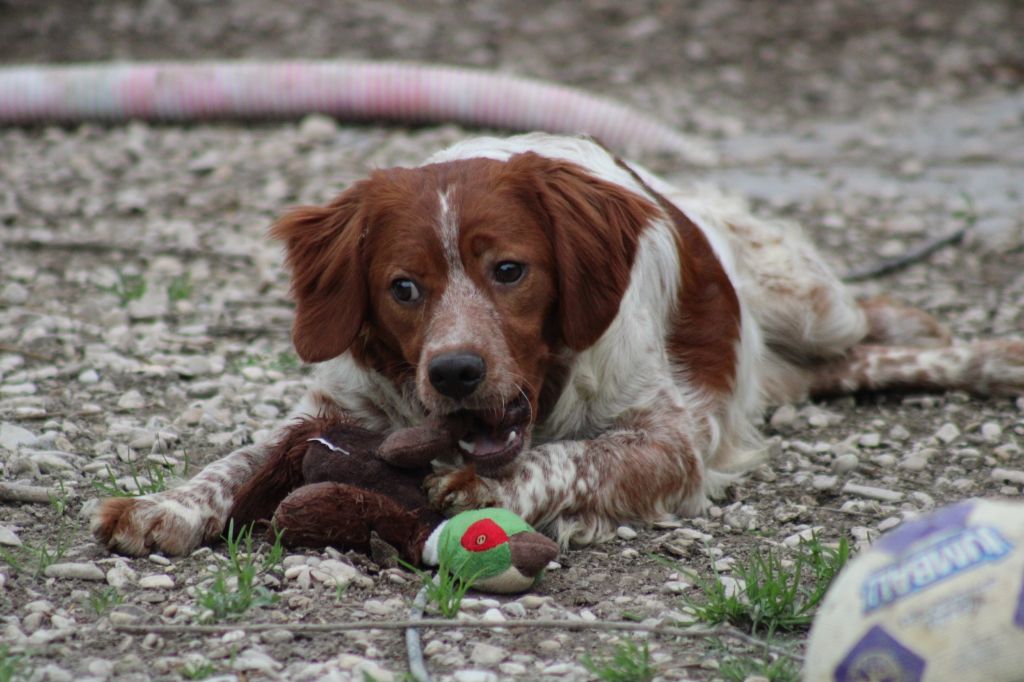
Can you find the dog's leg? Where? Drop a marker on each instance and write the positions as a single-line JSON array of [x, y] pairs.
[[894, 324], [581, 490], [177, 521], [991, 367]]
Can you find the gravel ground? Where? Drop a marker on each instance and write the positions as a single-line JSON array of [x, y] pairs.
[[144, 322]]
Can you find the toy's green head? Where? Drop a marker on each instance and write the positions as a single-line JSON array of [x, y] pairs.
[[496, 549]]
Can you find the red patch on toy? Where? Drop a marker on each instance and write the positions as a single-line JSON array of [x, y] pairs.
[[483, 535]]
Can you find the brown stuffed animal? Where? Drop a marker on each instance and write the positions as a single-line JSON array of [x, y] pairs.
[[329, 482], [332, 483]]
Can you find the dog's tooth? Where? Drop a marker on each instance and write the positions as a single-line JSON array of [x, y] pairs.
[[511, 437], [468, 448]]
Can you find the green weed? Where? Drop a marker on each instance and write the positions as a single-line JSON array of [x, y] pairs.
[[12, 666], [233, 589], [628, 663], [735, 669], [180, 288], [775, 597], [197, 671], [152, 479], [43, 555], [101, 601], [128, 288], [445, 589]]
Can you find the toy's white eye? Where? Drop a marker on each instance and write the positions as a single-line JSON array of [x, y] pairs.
[[481, 539]]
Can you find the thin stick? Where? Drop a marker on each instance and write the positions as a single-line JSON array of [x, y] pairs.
[[311, 628], [13, 492], [109, 247], [913, 255], [18, 350]]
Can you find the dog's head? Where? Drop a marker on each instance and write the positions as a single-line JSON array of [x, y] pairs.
[[466, 279]]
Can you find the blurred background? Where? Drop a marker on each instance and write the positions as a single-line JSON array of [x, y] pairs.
[[708, 65]]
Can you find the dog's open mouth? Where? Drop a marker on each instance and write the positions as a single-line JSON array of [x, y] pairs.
[[492, 438]]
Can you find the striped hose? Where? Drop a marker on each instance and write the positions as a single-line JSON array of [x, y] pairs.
[[347, 90]]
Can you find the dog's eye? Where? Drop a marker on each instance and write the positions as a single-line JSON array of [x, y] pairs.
[[508, 272], [405, 291]]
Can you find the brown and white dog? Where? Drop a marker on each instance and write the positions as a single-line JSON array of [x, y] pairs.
[[606, 339]]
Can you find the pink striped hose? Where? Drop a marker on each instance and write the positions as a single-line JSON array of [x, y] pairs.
[[348, 90]]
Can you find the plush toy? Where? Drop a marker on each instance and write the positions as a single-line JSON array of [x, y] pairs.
[[329, 482]]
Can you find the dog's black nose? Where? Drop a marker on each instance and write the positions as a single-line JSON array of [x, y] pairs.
[[456, 375]]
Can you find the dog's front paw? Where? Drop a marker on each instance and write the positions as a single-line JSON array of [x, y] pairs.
[[457, 491], [157, 523]]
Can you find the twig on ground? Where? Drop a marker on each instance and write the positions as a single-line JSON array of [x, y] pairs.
[[18, 350], [442, 623], [13, 492], [138, 250], [912, 255]]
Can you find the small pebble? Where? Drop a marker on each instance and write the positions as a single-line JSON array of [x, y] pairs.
[[159, 581], [625, 532], [948, 433]]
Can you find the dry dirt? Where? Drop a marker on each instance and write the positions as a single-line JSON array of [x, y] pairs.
[[876, 124]]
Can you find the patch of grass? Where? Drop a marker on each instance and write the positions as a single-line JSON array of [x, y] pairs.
[[101, 601], [197, 671], [775, 597], [233, 590], [43, 555], [628, 663], [128, 287], [12, 666], [180, 288], [736, 669], [445, 589], [969, 213], [153, 479], [285, 362]]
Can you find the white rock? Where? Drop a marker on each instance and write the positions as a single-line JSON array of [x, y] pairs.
[[869, 440], [948, 433], [733, 587], [493, 616], [254, 659], [12, 390], [822, 482], [991, 432], [159, 581], [899, 432], [52, 461], [75, 571], [8, 537], [511, 669], [14, 294], [121, 575], [783, 416], [88, 376], [474, 676], [533, 601], [487, 654], [805, 535], [625, 532], [12, 436], [675, 587], [131, 400], [1009, 475], [845, 463]]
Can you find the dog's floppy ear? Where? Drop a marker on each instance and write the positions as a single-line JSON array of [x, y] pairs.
[[594, 227], [328, 278]]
